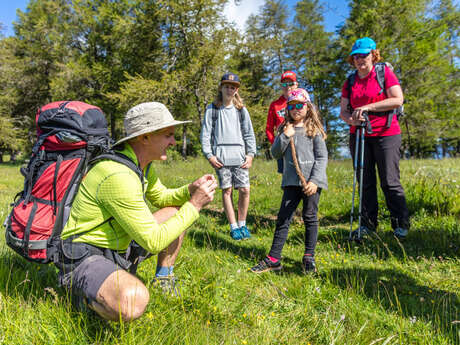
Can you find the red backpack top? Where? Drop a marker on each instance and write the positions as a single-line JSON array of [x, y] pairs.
[[69, 136]]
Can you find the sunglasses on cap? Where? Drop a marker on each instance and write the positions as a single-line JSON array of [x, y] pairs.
[[298, 106], [360, 56], [289, 83]]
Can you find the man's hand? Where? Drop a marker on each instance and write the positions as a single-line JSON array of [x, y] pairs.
[[215, 162], [192, 187], [204, 193], [310, 188], [289, 130], [247, 163]]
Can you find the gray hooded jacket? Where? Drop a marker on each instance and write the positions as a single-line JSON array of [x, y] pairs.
[[311, 155], [233, 135]]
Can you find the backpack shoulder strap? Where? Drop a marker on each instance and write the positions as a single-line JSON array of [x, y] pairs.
[[380, 73], [350, 82], [240, 112], [214, 114], [122, 159], [119, 158]]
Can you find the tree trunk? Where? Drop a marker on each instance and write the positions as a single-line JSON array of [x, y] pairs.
[[13, 156], [184, 141]]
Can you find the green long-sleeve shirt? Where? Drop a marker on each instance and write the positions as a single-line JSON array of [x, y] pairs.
[[112, 190]]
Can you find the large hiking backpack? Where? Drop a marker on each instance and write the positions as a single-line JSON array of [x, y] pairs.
[[69, 136], [380, 76]]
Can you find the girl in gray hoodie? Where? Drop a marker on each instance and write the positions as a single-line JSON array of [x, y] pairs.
[[301, 143]]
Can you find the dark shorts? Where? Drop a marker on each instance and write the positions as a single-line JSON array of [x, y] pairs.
[[87, 278]]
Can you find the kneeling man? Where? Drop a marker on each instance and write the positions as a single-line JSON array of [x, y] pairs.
[[110, 227]]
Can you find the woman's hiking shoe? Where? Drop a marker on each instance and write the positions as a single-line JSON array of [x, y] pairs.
[[267, 265], [245, 232], [236, 234], [401, 233], [308, 264], [168, 285], [360, 233]]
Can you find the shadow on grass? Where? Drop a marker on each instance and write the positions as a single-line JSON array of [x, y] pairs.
[[433, 242], [33, 283], [247, 250], [400, 293], [255, 222], [21, 277], [222, 241]]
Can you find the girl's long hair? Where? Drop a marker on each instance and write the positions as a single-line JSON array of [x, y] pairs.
[[219, 100], [313, 124]]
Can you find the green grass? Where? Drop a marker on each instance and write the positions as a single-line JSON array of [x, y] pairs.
[[382, 292]]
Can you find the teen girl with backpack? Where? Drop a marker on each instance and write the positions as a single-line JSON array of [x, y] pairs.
[[229, 144], [303, 149]]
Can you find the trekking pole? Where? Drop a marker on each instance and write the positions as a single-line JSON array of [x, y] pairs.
[[355, 167], [365, 126], [361, 170]]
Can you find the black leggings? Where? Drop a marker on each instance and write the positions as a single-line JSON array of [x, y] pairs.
[[291, 198], [382, 152]]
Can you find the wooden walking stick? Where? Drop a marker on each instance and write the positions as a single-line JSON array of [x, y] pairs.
[[297, 167]]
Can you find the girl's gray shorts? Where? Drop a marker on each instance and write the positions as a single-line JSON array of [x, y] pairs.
[[233, 176]]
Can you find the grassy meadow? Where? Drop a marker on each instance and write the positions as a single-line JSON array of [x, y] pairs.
[[382, 292]]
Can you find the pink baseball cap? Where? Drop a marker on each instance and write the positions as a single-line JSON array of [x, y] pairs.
[[298, 95], [289, 75]]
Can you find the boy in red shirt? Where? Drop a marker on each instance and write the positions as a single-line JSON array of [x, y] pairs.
[[277, 109]]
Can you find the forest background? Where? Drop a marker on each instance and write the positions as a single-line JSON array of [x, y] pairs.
[[118, 53]]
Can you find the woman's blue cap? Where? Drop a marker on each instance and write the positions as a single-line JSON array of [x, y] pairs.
[[363, 46]]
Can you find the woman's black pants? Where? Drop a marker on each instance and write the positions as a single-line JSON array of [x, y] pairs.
[[383, 152]]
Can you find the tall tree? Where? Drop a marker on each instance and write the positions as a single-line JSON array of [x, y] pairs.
[[11, 130], [448, 15], [41, 45], [195, 38], [413, 42], [312, 51]]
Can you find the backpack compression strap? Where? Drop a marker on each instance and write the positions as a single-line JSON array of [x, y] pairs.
[[380, 73]]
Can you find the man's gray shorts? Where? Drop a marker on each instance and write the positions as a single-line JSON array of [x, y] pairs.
[[85, 280], [233, 176]]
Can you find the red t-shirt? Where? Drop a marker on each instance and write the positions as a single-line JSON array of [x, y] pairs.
[[275, 117], [366, 91]]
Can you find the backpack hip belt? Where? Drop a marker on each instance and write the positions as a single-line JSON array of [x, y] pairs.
[[72, 254]]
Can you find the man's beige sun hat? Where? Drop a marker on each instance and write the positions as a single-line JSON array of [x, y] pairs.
[[146, 118]]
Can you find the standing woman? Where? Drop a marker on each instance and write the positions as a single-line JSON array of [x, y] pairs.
[[382, 147]]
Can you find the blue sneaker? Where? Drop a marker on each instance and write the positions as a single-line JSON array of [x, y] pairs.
[[400, 233], [245, 232], [236, 234]]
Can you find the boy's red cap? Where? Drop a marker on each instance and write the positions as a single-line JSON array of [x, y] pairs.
[[289, 75]]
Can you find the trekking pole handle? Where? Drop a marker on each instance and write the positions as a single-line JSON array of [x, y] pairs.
[[367, 123]]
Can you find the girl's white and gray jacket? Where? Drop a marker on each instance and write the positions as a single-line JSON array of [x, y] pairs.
[[311, 155], [230, 138]]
